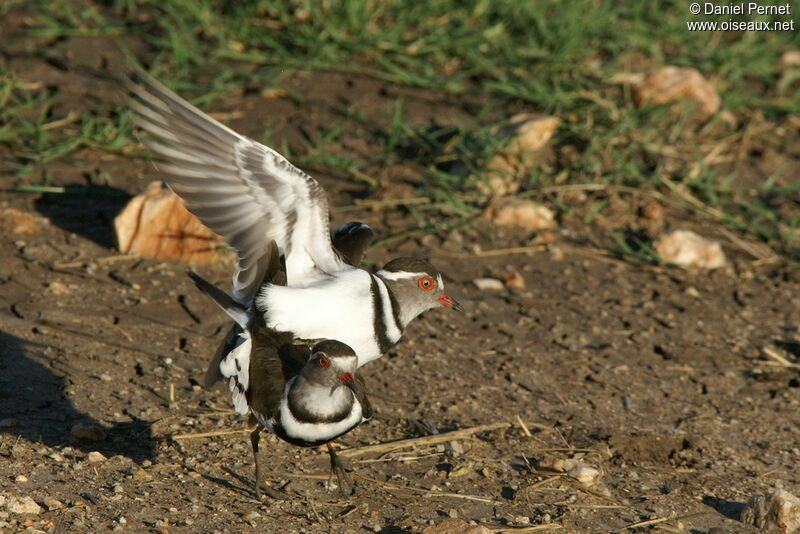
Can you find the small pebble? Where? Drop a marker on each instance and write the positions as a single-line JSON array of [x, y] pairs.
[[252, 515], [52, 504], [488, 284], [21, 478], [95, 457]]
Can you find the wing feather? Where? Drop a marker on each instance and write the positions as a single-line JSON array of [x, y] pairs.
[[241, 189]]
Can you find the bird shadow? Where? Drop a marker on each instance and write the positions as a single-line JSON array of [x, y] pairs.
[[86, 210], [33, 407], [730, 509]]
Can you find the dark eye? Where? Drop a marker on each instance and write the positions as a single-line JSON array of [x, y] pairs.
[[426, 283], [324, 362]]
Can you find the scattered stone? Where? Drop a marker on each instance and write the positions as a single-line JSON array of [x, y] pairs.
[[22, 505], [585, 474], [775, 512], [671, 84], [692, 292], [522, 213], [57, 288], [689, 250], [142, 475], [95, 457], [514, 280], [525, 134], [20, 222], [21, 478], [88, 432], [52, 504], [488, 284], [559, 464], [156, 224], [456, 526], [252, 515], [117, 488]]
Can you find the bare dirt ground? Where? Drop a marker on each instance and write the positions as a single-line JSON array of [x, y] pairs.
[[655, 376]]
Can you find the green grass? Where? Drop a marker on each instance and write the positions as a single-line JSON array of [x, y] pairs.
[[547, 56]]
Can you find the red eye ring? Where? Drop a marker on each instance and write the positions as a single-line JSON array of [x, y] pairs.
[[324, 362], [426, 283]]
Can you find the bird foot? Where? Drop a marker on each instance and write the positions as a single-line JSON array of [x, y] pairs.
[[346, 487], [269, 491]]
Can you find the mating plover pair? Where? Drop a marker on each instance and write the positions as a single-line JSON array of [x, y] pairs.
[[294, 279]]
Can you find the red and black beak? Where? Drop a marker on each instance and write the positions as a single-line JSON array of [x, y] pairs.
[[449, 302]]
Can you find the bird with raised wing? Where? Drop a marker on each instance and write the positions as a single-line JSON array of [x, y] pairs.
[[307, 397], [251, 195]]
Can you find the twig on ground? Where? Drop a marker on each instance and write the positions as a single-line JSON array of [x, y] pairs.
[[524, 427], [203, 435], [425, 440], [428, 493], [532, 528], [778, 359], [655, 521]]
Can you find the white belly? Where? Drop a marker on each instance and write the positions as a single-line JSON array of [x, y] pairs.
[[316, 431], [327, 307]]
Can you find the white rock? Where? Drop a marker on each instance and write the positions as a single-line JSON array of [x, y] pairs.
[[521, 213], [21, 478], [690, 250], [775, 512], [671, 84], [585, 474], [95, 457], [488, 284], [52, 504], [22, 505]]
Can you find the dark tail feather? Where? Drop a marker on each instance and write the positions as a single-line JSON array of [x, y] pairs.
[[235, 311]]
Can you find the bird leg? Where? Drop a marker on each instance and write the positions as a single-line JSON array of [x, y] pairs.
[[345, 486], [255, 437]]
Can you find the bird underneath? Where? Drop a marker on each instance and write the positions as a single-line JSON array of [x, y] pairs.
[[306, 397], [251, 195]]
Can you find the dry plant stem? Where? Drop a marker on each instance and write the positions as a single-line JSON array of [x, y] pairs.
[[427, 493], [524, 427], [671, 517], [778, 358], [757, 251], [521, 530], [426, 440], [203, 435]]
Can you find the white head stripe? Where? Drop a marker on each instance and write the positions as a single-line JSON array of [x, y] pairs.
[[398, 275]]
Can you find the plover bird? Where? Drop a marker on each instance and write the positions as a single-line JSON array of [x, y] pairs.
[[305, 397], [251, 195]]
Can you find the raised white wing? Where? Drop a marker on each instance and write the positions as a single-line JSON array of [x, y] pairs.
[[241, 189]]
